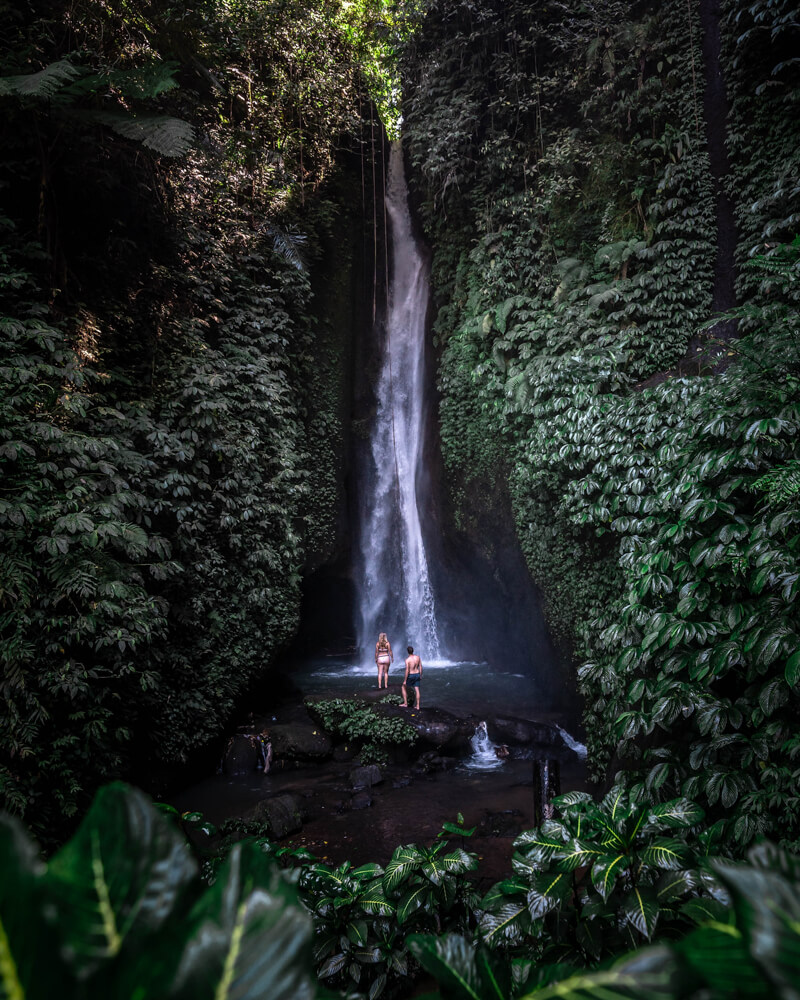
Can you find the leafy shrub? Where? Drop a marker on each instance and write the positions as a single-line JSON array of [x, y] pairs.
[[599, 879], [750, 950], [363, 724], [363, 916]]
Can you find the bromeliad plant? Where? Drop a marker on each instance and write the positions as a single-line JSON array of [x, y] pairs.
[[601, 879]]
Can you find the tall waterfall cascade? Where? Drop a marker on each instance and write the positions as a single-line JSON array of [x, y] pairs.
[[395, 593]]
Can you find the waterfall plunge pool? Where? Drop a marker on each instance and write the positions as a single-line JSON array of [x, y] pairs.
[[463, 688]]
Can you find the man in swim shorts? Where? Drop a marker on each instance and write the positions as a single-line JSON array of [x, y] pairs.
[[413, 675]]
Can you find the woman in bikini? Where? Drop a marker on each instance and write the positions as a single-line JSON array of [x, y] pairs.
[[383, 657]]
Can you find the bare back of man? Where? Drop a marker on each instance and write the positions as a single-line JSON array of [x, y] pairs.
[[413, 677]]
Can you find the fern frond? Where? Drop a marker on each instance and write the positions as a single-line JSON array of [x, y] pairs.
[[166, 136], [45, 83], [287, 243]]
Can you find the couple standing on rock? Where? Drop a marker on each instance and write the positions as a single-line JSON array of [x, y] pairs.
[[384, 656]]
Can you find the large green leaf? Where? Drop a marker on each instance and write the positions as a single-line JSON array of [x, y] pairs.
[[412, 900], [718, 954], [577, 853], [404, 861], [248, 936], [119, 878], [450, 959], [508, 924], [649, 974], [664, 852], [640, 908], [548, 890], [675, 814], [31, 967], [606, 870], [767, 911]]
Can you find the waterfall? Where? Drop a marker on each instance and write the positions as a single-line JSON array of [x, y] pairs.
[[483, 756], [395, 594]]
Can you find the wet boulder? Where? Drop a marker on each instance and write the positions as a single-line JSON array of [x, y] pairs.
[[245, 753], [299, 741], [366, 777], [432, 761], [361, 800], [522, 732], [281, 814], [435, 728]]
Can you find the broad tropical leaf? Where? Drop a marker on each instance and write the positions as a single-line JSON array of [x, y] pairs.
[[646, 975], [640, 908], [666, 852], [119, 877], [675, 814], [412, 901], [548, 890], [404, 861], [450, 959], [768, 914], [25, 936], [249, 937], [606, 870], [720, 958]]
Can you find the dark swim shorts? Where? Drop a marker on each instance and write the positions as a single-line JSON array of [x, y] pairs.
[[413, 680]]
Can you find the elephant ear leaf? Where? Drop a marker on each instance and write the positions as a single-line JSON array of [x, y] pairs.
[[119, 878], [248, 936], [24, 935], [450, 959]]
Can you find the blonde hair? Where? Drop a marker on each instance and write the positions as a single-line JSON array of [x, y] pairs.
[[383, 642]]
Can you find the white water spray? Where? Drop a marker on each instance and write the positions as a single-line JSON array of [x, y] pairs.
[[395, 590], [483, 756]]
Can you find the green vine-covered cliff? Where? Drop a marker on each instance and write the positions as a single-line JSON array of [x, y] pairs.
[[174, 365], [597, 183]]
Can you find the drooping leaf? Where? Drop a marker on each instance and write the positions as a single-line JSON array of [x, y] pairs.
[[120, 876], [450, 959], [248, 936]]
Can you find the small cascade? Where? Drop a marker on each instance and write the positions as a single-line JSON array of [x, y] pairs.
[[483, 756], [577, 748], [395, 593]]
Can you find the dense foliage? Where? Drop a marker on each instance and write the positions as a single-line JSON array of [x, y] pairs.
[[120, 911], [172, 182], [573, 189], [371, 732]]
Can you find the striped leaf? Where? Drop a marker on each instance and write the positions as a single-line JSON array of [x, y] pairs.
[[666, 853], [412, 901], [404, 861], [640, 908], [606, 870], [119, 877], [548, 890]]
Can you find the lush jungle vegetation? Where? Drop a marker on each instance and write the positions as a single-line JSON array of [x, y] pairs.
[[616, 270], [174, 185], [189, 209]]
